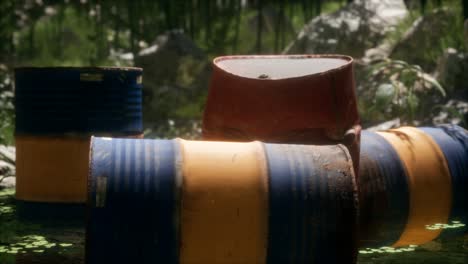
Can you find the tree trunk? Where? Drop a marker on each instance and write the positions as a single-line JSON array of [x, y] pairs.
[[259, 26], [318, 7], [465, 9], [192, 20], [237, 25], [423, 6], [131, 19]]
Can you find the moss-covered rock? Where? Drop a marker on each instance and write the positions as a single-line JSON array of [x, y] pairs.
[[351, 30], [428, 37]]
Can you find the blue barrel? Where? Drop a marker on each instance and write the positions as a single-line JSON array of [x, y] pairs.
[[177, 201], [58, 100], [383, 192], [133, 198], [453, 141], [57, 111], [312, 207]]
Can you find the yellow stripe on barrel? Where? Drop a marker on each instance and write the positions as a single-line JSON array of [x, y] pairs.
[[224, 211], [429, 183], [51, 169]]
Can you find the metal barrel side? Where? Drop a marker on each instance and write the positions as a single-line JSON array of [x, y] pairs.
[[133, 201], [224, 206], [383, 192], [51, 169], [312, 204], [220, 202], [429, 184], [298, 99], [57, 110], [453, 141], [60, 100]]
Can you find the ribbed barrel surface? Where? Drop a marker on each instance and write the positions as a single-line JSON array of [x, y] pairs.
[[453, 141], [78, 100], [57, 110], [383, 192], [413, 185], [220, 202]]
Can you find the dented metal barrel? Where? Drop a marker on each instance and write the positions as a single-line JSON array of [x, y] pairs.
[[177, 201], [306, 99], [412, 185], [57, 110]]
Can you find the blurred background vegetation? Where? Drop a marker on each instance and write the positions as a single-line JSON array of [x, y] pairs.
[[175, 40]]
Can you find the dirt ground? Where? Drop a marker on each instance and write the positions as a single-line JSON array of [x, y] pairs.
[[35, 235]]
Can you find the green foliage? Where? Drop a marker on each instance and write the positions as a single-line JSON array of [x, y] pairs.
[[439, 29], [398, 89], [65, 38], [82, 33], [7, 112], [187, 129], [21, 237]]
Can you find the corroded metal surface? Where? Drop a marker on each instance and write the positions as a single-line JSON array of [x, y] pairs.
[[306, 99], [226, 202]]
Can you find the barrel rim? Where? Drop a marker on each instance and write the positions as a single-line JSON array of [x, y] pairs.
[[79, 135], [349, 62], [75, 68]]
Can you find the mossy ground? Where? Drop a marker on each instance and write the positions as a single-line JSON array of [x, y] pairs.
[[25, 239], [29, 239]]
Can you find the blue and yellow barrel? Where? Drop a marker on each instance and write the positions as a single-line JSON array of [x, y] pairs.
[[178, 201], [383, 192], [57, 111], [412, 185], [453, 141]]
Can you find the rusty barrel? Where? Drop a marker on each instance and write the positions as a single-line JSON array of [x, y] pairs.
[[410, 186], [306, 99], [177, 201], [57, 110]]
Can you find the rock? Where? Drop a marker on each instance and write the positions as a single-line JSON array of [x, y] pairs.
[[176, 74], [7, 182], [394, 123], [453, 112], [8, 154], [351, 30], [378, 53], [423, 36], [451, 71], [465, 32], [7, 164], [6, 168]]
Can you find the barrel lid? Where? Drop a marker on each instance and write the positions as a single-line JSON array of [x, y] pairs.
[[274, 67], [73, 68]]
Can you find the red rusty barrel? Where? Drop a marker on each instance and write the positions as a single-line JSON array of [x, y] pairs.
[[308, 99]]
